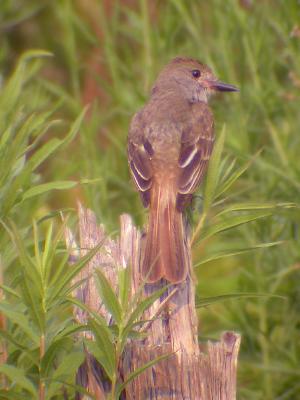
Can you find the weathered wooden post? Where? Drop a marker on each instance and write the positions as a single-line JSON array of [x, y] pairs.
[[172, 328]]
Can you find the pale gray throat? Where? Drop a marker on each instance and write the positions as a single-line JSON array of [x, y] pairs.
[[200, 95]]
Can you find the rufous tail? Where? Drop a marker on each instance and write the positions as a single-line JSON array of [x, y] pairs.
[[166, 254]]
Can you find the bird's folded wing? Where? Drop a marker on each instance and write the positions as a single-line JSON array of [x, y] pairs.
[[196, 148], [139, 158]]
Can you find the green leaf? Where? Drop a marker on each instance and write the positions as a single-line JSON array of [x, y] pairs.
[[108, 296], [12, 90], [18, 377], [66, 370], [48, 253], [236, 251], [229, 223], [31, 284], [213, 171], [10, 291], [124, 286], [62, 384], [255, 207], [47, 187], [286, 175], [75, 127], [144, 304], [43, 153], [58, 91], [207, 301], [19, 319], [138, 311], [103, 348], [36, 160], [224, 186], [32, 298], [63, 279], [13, 195], [56, 347], [100, 320], [18, 241], [34, 53], [6, 335], [11, 394], [69, 330]]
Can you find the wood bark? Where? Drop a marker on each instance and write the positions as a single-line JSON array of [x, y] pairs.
[[172, 327]]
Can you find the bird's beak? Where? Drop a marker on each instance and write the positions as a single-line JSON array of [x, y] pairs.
[[221, 86]]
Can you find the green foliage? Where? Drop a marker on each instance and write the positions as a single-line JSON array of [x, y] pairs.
[[43, 357], [245, 237], [126, 323]]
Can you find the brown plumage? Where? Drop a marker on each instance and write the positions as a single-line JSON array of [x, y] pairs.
[[169, 145]]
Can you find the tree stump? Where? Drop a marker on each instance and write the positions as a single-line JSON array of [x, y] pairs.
[[172, 327]]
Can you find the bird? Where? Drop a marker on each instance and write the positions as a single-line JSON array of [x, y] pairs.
[[170, 142]]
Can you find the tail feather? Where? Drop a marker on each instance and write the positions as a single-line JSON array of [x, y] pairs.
[[166, 255]]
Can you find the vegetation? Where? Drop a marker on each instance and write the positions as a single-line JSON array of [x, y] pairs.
[[53, 151]]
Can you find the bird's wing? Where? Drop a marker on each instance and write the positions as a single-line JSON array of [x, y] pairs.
[[139, 158], [196, 148]]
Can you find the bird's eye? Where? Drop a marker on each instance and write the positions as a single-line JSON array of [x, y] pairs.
[[196, 73]]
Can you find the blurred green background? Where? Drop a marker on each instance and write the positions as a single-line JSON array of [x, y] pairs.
[[107, 54]]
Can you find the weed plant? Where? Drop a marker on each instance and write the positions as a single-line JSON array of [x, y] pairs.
[[54, 151]]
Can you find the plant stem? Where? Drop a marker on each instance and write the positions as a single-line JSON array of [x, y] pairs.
[[41, 383], [198, 228]]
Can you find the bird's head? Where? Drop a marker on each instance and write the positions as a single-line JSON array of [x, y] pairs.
[[191, 79]]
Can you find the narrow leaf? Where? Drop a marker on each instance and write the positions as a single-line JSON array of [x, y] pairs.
[[65, 371], [140, 370], [75, 127], [5, 334], [9, 291], [124, 286], [19, 319], [255, 206], [17, 376], [33, 300], [108, 296], [224, 186], [11, 395], [47, 187], [234, 252], [204, 302], [43, 153], [97, 317], [103, 348], [56, 347], [138, 312], [229, 223], [61, 282]]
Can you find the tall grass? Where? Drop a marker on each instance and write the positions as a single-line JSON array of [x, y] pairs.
[[248, 207]]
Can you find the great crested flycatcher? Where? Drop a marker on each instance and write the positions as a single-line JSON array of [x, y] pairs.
[[169, 145]]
